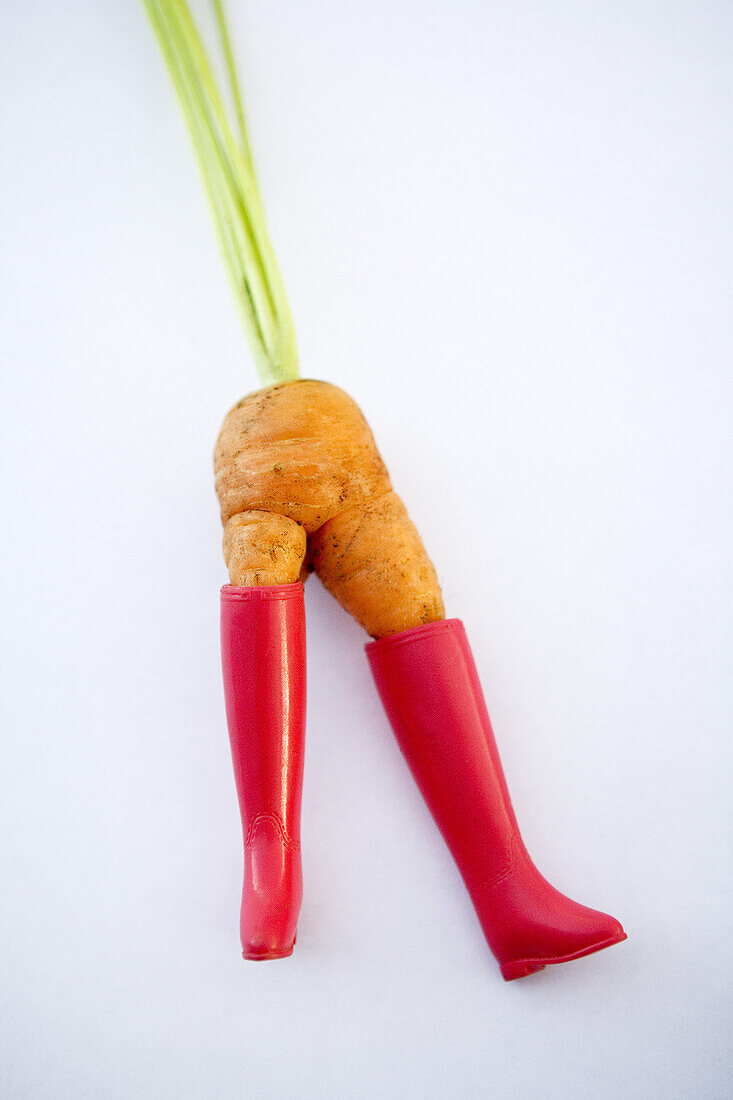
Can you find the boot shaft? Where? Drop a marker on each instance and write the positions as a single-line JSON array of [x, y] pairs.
[[428, 683], [430, 689], [264, 671], [263, 664]]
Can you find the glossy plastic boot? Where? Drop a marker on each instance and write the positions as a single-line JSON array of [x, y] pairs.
[[428, 683], [263, 661]]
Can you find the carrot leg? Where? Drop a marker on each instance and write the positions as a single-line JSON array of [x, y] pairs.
[[263, 548], [372, 559]]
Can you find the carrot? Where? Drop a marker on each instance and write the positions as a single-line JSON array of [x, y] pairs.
[[300, 480], [302, 487]]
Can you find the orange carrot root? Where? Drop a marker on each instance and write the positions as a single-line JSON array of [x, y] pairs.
[[373, 561], [263, 548], [299, 477]]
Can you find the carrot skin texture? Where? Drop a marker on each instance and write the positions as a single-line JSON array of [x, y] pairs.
[[302, 449], [263, 548], [373, 561], [303, 452]]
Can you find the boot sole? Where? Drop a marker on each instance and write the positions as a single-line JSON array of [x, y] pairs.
[[523, 967], [253, 956]]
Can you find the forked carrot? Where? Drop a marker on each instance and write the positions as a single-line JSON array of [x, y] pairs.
[[302, 487]]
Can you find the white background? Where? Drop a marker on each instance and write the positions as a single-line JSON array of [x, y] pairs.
[[506, 230]]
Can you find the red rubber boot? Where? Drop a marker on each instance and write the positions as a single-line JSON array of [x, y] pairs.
[[263, 660], [430, 689]]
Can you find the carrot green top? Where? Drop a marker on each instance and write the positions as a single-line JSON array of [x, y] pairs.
[[226, 165]]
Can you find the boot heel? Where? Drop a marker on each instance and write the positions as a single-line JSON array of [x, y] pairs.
[[511, 971]]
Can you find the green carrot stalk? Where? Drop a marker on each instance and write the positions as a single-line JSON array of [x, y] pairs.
[[226, 165]]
